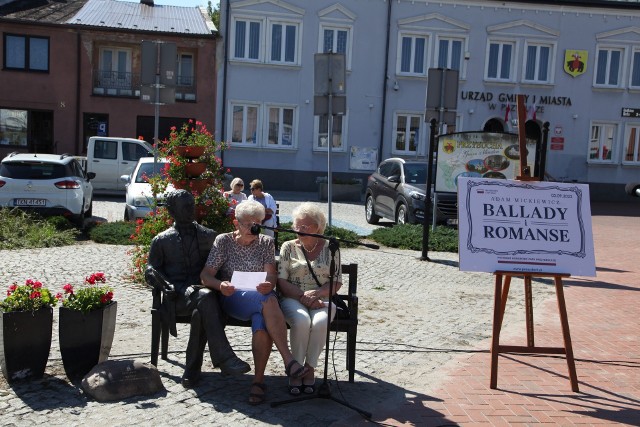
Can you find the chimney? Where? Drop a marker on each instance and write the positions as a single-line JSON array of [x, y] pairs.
[[147, 2]]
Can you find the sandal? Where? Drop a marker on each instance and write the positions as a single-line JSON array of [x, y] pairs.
[[260, 397], [298, 373], [294, 390], [309, 388]]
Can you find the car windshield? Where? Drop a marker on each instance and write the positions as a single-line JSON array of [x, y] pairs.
[[415, 173], [32, 170], [146, 171]]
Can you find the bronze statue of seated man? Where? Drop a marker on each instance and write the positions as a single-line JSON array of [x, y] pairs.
[[176, 258]]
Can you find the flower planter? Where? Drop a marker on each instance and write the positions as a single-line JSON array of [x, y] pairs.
[[25, 342], [340, 192], [85, 339], [197, 185], [195, 169], [188, 151]]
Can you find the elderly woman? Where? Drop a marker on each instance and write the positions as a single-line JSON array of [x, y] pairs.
[[237, 185], [243, 251], [303, 282]]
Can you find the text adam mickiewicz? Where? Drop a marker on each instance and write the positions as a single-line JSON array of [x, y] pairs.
[[524, 231]]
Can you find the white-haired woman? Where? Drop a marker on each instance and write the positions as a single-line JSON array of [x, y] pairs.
[[241, 250], [236, 194], [304, 296]]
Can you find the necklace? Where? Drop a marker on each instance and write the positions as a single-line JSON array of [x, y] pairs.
[[313, 248]]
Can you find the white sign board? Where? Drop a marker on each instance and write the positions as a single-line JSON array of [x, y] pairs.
[[525, 226], [479, 155]]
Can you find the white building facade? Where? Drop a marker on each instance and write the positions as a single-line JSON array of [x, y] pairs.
[[576, 63]]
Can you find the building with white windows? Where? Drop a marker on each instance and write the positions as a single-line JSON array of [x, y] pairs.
[[576, 62]]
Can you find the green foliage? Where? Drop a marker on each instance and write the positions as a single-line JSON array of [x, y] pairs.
[[409, 236], [21, 230], [337, 232], [31, 296], [113, 233], [214, 13], [90, 297], [144, 232]]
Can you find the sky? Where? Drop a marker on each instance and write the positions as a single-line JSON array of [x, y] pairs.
[[186, 3]]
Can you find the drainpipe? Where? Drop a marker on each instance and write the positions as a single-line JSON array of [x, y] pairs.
[[384, 81], [223, 110], [79, 146]]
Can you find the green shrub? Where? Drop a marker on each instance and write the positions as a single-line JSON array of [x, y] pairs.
[[337, 232], [113, 233], [409, 236], [21, 230]]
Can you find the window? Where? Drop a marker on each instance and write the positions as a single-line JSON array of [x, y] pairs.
[[26, 53], [407, 133], [538, 63], [336, 40], [13, 127], [105, 149], [322, 133], [500, 61], [608, 67], [635, 70], [244, 124], [185, 70], [247, 40], [413, 55], [631, 154], [283, 43], [115, 68], [602, 143], [450, 53], [281, 122]]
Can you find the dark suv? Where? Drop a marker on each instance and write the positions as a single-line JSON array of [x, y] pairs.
[[397, 191]]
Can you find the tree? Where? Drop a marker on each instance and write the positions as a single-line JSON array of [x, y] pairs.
[[214, 13]]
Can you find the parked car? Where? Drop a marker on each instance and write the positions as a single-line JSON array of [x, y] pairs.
[[397, 191], [49, 184], [139, 197]]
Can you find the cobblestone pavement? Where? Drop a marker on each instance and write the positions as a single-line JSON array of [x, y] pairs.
[[415, 317]]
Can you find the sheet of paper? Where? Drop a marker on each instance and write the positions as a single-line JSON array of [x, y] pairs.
[[247, 280]]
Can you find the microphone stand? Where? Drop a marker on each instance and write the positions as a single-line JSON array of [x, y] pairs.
[[324, 390]]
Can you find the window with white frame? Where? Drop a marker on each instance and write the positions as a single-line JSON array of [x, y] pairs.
[[635, 70], [115, 67], [339, 131], [247, 39], [500, 62], [284, 45], [244, 124], [281, 122], [608, 66], [27, 53], [337, 40], [602, 143], [631, 153], [450, 53], [407, 133], [412, 58], [538, 63]]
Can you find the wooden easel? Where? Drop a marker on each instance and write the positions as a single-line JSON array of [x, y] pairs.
[[502, 292]]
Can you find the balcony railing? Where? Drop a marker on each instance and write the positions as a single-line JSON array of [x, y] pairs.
[[124, 84]]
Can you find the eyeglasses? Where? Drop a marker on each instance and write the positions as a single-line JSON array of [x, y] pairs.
[[303, 227], [239, 185], [255, 188]]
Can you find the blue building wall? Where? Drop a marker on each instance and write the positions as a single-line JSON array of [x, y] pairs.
[[380, 94]]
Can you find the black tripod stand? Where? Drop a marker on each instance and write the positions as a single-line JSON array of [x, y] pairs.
[[324, 390]]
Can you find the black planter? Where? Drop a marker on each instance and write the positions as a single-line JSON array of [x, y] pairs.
[[25, 341], [85, 339]]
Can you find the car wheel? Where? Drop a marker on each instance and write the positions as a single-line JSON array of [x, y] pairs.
[[401, 214], [126, 214], [78, 220], [369, 213]]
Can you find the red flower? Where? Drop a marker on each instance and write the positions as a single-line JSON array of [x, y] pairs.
[[90, 279], [29, 282], [37, 285], [59, 296], [35, 294], [99, 276], [105, 298], [12, 288], [68, 289]]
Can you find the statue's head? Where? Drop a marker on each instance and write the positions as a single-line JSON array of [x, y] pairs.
[[181, 207]]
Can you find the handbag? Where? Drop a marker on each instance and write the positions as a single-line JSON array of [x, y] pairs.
[[342, 310]]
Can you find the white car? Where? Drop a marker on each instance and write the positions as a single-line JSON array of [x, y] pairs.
[[49, 184], [139, 197]]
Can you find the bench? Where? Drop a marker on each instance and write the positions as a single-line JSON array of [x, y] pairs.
[[341, 323]]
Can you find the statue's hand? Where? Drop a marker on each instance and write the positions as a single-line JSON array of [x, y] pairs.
[[169, 291]]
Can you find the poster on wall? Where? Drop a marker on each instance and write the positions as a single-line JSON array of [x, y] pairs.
[[363, 158], [13, 127], [479, 155], [525, 226]]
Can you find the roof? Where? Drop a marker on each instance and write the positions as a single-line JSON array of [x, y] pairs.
[[43, 11], [141, 17]]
